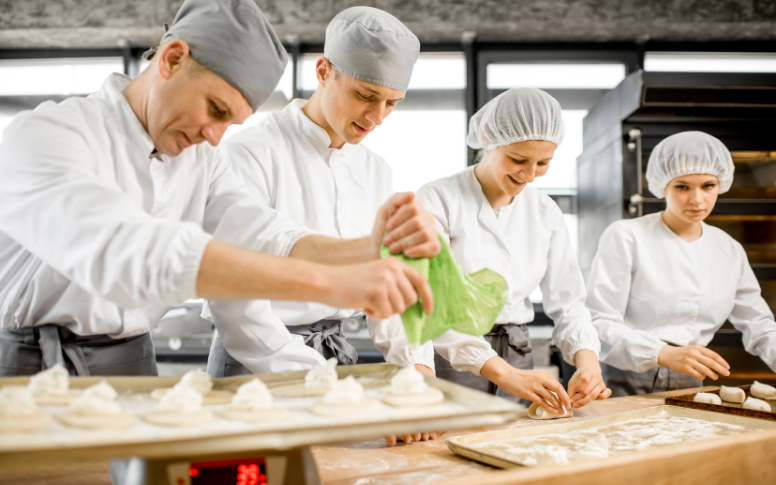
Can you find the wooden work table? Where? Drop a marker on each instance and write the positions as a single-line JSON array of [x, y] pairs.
[[372, 462]]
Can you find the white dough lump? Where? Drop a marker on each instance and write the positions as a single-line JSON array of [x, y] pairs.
[[763, 391], [707, 398], [732, 394], [757, 405]]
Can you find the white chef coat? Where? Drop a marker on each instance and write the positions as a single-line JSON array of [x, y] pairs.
[[526, 242], [649, 286], [286, 161], [101, 237]]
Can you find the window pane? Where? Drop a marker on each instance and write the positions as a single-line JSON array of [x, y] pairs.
[[56, 76], [562, 174], [555, 76], [709, 62]]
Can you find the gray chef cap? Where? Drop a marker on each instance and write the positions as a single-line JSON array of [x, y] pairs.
[[373, 46], [233, 39]]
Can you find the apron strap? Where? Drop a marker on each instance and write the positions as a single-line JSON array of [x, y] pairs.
[[326, 337], [50, 346]]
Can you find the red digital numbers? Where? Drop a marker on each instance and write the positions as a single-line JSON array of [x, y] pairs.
[[250, 475]]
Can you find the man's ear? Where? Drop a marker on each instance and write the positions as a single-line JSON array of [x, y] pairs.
[[323, 70], [172, 57]]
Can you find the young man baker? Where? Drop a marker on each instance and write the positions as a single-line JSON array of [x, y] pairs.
[[307, 163], [112, 209]]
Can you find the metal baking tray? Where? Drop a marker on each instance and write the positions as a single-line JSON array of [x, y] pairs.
[[463, 445], [686, 401], [462, 408]]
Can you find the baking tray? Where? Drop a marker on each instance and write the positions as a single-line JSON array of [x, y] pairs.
[[686, 401], [462, 408], [462, 445]]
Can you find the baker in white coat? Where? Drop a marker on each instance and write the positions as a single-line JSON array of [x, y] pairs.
[[492, 218], [112, 210], [307, 163], [661, 285]]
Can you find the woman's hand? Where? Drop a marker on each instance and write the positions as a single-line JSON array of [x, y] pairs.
[[534, 385], [430, 435], [587, 383], [694, 360]]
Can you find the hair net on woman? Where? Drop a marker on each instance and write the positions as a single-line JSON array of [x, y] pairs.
[[519, 114], [689, 153]]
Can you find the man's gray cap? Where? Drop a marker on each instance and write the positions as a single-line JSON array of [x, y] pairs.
[[373, 46], [233, 39]]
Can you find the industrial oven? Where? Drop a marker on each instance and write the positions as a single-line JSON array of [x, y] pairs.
[[621, 131]]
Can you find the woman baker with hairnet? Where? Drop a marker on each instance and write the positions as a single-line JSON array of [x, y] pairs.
[[663, 284], [492, 218]]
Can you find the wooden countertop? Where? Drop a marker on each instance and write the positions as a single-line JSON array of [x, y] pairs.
[[369, 462]]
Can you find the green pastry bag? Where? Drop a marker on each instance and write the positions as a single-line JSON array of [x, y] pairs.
[[465, 303]]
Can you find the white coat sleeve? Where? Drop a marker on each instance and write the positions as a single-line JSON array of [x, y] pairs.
[[53, 204], [249, 330], [389, 337], [466, 353], [609, 289], [564, 294], [753, 318]]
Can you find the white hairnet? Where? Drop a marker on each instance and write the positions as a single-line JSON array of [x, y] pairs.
[[689, 153], [519, 114]]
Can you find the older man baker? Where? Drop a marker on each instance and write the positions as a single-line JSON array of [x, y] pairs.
[[112, 209], [307, 163]]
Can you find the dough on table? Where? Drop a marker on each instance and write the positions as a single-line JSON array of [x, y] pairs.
[[203, 384], [180, 406], [96, 408], [409, 388], [537, 412], [51, 387], [707, 398], [732, 394], [253, 403], [763, 391], [757, 405], [316, 383], [345, 400], [212, 398], [18, 411]]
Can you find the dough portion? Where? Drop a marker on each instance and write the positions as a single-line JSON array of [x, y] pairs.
[[58, 399], [763, 391], [429, 397], [344, 411], [537, 412], [212, 398], [254, 415], [298, 390], [28, 422], [732, 394], [96, 421], [757, 405], [708, 398], [168, 418]]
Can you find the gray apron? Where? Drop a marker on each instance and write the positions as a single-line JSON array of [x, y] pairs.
[[26, 351], [325, 336], [511, 342], [658, 379]]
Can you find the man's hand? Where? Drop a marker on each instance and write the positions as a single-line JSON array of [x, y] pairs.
[[695, 360], [587, 383], [409, 438], [534, 385], [410, 228], [382, 288]]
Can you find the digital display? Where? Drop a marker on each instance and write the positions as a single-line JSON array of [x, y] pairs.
[[246, 471]]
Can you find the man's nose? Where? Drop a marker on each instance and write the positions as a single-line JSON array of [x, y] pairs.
[[376, 115], [213, 133]]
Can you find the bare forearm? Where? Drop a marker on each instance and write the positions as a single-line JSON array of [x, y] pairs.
[[329, 250], [231, 273]]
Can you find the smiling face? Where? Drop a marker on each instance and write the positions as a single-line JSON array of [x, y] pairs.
[[513, 166], [352, 108], [691, 198], [188, 104]]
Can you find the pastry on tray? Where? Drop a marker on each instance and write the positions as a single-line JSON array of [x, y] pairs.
[[409, 388], [96, 408], [763, 391], [203, 384], [707, 398], [51, 387], [253, 403], [316, 383], [180, 406], [18, 411], [345, 400]]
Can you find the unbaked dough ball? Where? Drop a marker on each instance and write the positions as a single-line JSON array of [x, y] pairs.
[[707, 398], [763, 391], [757, 405], [732, 394]]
